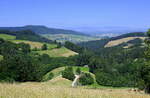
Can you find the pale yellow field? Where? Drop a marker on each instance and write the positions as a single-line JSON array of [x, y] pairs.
[[35, 44], [120, 41], [60, 88]]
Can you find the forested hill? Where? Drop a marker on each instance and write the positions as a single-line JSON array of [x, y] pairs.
[[26, 35], [42, 30], [133, 34], [122, 40]]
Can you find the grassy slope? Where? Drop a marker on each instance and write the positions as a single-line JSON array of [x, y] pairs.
[[57, 74], [57, 71], [58, 88], [1, 57], [35, 44], [120, 41], [7, 37], [52, 50], [64, 52]]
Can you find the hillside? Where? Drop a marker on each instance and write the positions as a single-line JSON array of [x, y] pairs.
[[33, 44], [7, 37], [23, 35], [69, 37], [57, 72], [52, 51], [58, 52], [59, 87], [42, 30], [60, 35], [129, 38], [117, 42]]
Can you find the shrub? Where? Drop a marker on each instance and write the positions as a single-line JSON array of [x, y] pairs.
[[78, 71], [103, 78], [68, 73], [49, 76], [86, 79], [44, 47]]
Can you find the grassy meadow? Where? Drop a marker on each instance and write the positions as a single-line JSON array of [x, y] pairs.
[[120, 41], [57, 71], [52, 51], [37, 45], [58, 52], [61, 88], [7, 37]]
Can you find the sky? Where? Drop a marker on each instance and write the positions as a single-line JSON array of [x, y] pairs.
[[75, 13]]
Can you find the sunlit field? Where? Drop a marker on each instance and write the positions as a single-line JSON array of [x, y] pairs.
[[33, 45], [60, 88], [60, 52], [7, 37]]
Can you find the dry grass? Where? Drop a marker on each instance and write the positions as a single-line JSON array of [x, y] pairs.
[[35, 44], [60, 88], [120, 41]]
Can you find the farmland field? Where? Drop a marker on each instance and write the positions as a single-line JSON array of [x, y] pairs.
[[120, 41], [35, 44], [59, 52], [61, 88]]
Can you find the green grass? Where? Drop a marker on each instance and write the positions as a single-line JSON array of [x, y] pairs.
[[52, 51], [7, 37], [1, 57], [58, 88], [57, 72], [84, 69], [59, 52], [35, 44]]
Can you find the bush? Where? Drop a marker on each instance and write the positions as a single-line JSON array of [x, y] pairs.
[[49, 76], [78, 71], [68, 73], [44, 47], [103, 78], [86, 79], [8, 80]]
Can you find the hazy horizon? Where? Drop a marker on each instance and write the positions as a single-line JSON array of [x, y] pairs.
[[75, 14]]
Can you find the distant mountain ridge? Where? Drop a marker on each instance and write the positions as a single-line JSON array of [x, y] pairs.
[[26, 35], [39, 29], [110, 31]]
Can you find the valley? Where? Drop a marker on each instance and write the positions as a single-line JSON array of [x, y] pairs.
[[74, 49], [46, 68]]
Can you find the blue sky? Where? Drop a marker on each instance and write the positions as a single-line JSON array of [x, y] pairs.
[[75, 13]]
